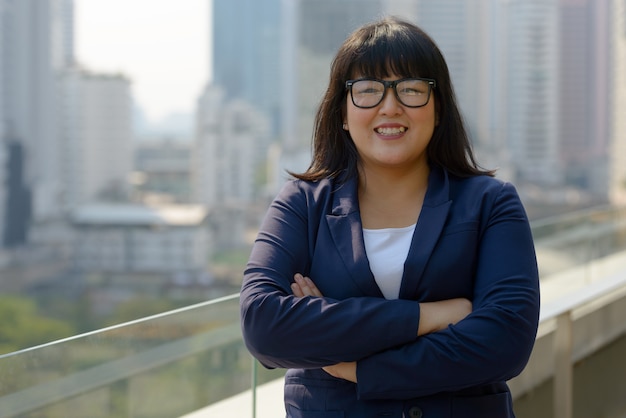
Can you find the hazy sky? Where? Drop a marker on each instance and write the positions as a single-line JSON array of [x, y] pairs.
[[161, 45]]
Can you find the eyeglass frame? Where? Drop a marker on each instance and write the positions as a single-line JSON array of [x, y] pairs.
[[432, 83]]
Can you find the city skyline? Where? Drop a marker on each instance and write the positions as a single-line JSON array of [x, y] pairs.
[[508, 77]]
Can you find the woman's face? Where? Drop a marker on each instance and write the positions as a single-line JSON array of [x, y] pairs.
[[391, 135]]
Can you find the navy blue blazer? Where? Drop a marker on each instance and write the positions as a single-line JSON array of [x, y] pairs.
[[472, 240]]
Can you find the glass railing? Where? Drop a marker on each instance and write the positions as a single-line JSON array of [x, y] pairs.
[[165, 365], [171, 364], [576, 238]]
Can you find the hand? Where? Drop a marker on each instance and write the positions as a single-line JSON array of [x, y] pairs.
[[304, 286], [345, 371], [435, 316]]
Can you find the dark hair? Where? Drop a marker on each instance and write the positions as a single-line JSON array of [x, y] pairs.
[[394, 46]]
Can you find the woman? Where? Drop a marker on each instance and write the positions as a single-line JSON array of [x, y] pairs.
[[394, 278]]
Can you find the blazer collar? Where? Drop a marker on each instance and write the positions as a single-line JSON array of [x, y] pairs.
[[427, 231], [346, 229]]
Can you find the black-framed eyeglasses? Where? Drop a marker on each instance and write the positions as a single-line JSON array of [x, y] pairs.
[[370, 92]]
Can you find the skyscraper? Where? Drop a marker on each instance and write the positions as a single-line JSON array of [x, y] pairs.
[[28, 110], [532, 120], [617, 102], [246, 53], [3, 146], [62, 33]]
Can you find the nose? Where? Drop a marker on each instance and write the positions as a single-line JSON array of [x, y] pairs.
[[390, 104]]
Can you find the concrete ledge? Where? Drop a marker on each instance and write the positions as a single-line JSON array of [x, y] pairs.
[[269, 404], [594, 325]]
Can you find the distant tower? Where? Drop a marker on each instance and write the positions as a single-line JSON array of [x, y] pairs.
[[4, 169], [232, 140], [592, 87], [532, 85], [95, 138], [617, 109], [62, 31], [246, 53], [28, 102]]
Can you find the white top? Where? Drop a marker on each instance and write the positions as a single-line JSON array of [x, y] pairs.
[[387, 250]]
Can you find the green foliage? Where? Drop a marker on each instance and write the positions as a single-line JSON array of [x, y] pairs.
[[140, 307], [22, 326], [235, 258]]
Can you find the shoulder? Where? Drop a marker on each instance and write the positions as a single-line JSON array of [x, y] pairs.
[[295, 187], [479, 186], [486, 195], [305, 194]]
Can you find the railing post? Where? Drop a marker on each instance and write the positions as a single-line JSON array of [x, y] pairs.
[[254, 381], [119, 398], [563, 367]]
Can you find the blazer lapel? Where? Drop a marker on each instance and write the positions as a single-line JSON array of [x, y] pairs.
[[346, 230], [427, 231]]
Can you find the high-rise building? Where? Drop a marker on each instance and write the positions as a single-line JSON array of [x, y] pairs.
[[617, 102], [95, 137], [62, 33], [585, 88], [246, 53], [28, 103], [3, 146], [532, 120], [230, 152]]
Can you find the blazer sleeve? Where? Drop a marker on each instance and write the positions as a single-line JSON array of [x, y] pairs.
[[494, 342], [281, 330]]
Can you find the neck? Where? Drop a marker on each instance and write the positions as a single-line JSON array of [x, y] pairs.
[[391, 198], [382, 183]]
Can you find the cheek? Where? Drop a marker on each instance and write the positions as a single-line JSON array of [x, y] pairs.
[[426, 117], [358, 118]]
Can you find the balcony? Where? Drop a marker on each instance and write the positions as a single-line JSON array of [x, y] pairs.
[[192, 363]]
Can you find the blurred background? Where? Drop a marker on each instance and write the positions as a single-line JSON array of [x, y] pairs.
[[142, 140]]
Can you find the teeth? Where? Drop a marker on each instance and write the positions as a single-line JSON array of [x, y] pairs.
[[390, 131]]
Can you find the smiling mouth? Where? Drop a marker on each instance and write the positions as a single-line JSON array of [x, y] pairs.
[[391, 131]]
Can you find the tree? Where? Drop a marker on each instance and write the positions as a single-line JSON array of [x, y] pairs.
[[21, 326]]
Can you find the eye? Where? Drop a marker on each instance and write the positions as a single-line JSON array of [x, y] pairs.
[[367, 87], [413, 88]]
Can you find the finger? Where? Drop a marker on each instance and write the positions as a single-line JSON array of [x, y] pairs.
[[314, 290], [295, 288], [304, 285]]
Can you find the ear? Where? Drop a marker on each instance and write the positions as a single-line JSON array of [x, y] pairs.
[[345, 126]]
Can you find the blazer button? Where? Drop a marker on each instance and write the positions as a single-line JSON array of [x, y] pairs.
[[415, 412]]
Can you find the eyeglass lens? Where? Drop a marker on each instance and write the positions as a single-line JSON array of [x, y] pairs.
[[410, 92]]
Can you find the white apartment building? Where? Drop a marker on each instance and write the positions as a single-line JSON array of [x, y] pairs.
[[617, 175], [230, 151], [62, 33], [95, 134], [3, 149], [532, 90], [127, 238]]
